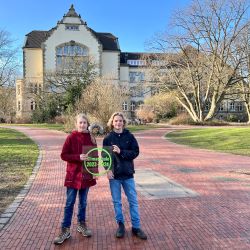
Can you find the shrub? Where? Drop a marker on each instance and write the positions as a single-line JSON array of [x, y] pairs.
[[182, 118]]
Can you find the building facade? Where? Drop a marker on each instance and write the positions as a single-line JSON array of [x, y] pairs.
[[46, 51]]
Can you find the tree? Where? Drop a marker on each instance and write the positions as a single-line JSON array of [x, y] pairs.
[[164, 105], [101, 99], [8, 71], [197, 56], [243, 50], [7, 103], [8, 60], [69, 82]]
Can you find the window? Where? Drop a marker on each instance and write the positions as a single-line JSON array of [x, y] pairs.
[[72, 27], [240, 106], [35, 88], [232, 106], [136, 62], [207, 107], [32, 105], [40, 88], [221, 108], [132, 105], [133, 91], [68, 54], [125, 106], [18, 89], [18, 105], [136, 77]]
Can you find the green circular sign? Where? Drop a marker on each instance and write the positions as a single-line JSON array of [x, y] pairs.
[[95, 162]]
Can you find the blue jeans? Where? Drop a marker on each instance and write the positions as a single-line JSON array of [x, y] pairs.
[[70, 202], [130, 191]]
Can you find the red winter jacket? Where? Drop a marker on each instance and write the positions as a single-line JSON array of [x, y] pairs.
[[77, 176]]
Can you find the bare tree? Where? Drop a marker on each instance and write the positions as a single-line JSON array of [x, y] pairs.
[[243, 51], [8, 59], [8, 71], [197, 57], [7, 103], [102, 98], [164, 105], [70, 81]]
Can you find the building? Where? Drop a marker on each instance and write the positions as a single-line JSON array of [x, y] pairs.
[[45, 51]]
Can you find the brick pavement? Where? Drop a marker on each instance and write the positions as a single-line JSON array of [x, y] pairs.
[[219, 218]]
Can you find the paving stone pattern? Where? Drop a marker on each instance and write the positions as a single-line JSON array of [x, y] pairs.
[[218, 218]]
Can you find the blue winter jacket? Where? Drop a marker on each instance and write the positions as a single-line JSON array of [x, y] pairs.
[[123, 165]]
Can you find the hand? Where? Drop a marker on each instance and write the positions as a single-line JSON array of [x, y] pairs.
[[110, 175], [83, 157], [116, 149]]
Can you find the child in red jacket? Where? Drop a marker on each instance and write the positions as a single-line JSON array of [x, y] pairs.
[[78, 179]]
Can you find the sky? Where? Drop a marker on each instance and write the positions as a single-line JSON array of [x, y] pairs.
[[134, 22]]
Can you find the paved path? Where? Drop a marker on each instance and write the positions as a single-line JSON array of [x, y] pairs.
[[219, 218]]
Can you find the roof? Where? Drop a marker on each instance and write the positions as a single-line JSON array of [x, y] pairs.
[[130, 56], [108, 40], [36, 38]]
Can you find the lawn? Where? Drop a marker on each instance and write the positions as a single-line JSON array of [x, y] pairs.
[[60, 127], [229, 140], [16, 164]]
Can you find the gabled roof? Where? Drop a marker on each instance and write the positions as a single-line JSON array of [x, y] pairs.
[[36, 38]]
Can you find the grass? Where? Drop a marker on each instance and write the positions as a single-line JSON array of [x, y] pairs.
[[16, 164], [229, 140], [133, 128], [60, 127]]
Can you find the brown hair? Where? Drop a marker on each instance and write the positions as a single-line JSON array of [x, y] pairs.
[[110, 122]]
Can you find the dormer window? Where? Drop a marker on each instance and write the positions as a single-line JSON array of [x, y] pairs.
[[72, 27]]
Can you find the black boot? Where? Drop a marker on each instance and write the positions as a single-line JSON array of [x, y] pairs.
[[120, 231], [139, 233]]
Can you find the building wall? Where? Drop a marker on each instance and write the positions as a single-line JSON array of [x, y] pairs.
[[33, 63], [124, 74], [61, 36], [110, 64]]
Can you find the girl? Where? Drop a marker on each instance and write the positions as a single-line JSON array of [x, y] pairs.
[[125, 149], [77, 179]]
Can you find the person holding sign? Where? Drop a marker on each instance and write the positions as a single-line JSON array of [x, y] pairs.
[[78, 180], [124, 150]]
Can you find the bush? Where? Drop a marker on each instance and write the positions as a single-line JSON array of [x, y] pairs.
[[59, 119], [181, 119], [185, 119], [232, 118], [145, 112]]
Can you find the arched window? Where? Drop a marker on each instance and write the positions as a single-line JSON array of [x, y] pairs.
[[71, 53]]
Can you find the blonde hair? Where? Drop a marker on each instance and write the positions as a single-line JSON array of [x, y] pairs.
[[83, 116], [110, 122]]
